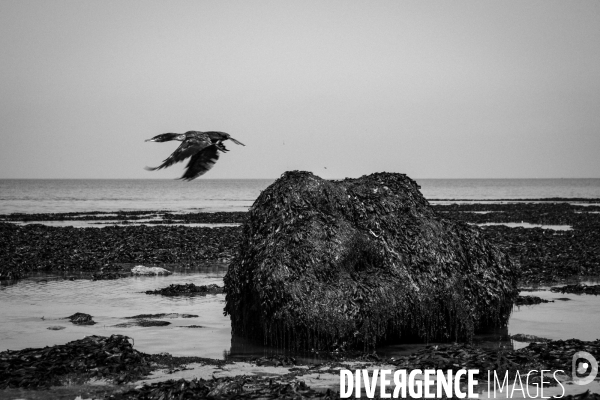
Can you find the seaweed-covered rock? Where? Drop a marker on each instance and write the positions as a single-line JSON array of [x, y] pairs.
[[81, 319], [359, 262], [530, 300], [187, 289], [577, 289], [143, 323], [111, 357]]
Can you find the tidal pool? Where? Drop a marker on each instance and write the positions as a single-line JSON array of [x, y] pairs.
[[32, 305], [135, 222], [527, 225]]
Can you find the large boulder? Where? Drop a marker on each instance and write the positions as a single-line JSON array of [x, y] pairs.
[[360, 262]]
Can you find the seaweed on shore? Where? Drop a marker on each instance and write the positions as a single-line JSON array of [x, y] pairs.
[[577, 289], [530, 300], [114, 359], [81, 319], [550, 256], [99, 357], [109, 275], [162, 315], [550, 355], [143, 323], [156, 217], [188, 289], [239, 387], [587, 395], [39, 248], [545, 255]]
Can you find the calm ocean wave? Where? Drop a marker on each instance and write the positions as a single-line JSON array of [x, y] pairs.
[[75, 195]]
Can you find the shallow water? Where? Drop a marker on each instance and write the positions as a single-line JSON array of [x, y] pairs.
[[138, 222], [578, 317], [527, 225], [32, 305]]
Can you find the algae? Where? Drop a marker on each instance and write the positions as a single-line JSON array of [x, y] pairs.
[[358, 262]]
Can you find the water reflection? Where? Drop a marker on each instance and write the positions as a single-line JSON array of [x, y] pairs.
[[526, 225], [138, 222], [31, 306]]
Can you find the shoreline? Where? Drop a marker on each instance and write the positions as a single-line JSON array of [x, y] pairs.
[[547, 257], [141, 373]]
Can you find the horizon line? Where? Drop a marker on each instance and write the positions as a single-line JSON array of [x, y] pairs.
[[258, 179]]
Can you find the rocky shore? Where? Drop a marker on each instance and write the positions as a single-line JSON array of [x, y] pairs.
[[68, 250], [114, 361], [546, 256]]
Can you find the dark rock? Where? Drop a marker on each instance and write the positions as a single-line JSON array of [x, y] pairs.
[[169, 315], [143, 322], [81, 319], [95, 356], [103, 276], [147, 323], [274, 361], [361, 261], [577, 289], [520, 337], [188, 289], [56, 328], [530, 300]]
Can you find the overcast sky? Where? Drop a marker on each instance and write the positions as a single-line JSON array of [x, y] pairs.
[[444, 89]]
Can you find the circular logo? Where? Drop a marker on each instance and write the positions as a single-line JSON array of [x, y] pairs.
[[580, 367]]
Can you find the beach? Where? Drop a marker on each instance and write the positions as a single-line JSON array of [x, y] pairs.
[[57, 264], [299, 200]]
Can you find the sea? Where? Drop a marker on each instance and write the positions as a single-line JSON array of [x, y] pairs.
[[211, 195], [33, 310]]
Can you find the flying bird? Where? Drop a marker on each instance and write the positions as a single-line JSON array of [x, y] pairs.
[[202, 147]]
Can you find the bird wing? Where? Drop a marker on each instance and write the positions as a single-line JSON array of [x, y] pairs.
[[201, 162], [218, 135], [163, 137], [187, 148]]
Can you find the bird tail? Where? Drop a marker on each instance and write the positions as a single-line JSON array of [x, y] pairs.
[[236, 141], [151, 168]]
